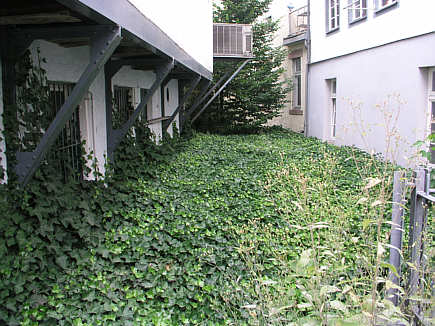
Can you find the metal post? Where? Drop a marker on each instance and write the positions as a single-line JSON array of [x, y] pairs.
[[193, 84], [416, 231], [221, 89], [117, 135], [202, 97], [102, 48], [396, 234]]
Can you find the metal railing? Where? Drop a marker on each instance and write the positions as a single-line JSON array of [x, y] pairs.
[[298, 21], [419, 273]]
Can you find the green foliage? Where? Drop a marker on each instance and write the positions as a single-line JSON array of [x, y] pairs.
[[257, 94], [205, 235]]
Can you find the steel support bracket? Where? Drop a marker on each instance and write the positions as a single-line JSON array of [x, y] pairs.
[[103, 45], [205, 94], [117, 135], [221, 89], [193, 85]]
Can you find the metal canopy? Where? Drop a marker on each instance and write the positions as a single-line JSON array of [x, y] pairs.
[[136, 27]]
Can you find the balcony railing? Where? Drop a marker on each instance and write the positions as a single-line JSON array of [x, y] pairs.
[[298, 21]]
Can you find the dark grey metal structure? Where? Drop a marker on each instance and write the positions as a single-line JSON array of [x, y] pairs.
[[118, 35]]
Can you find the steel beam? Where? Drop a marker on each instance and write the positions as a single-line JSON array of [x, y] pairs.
[[202, 96], [193, 85], [60, 32], [118, 134], [221, 89], [136, 25], [103, 45]]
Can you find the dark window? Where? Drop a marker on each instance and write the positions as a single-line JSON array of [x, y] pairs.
[[122, 105], [67, 150]]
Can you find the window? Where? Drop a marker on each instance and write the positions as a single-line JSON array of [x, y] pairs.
[[381, 4], [333, 107], [123, 105], [333, 14], [357, 10], [67, 150], [297, 83], [432, 111]]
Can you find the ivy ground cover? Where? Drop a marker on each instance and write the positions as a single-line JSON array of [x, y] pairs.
[[265, 229]]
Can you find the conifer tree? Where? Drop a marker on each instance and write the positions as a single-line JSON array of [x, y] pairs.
[[257, 94]]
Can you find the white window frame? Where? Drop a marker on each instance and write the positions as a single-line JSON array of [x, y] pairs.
[[333, 21], [388, 3], [357, 10], [431, 100], [297, 90], [332, 108]]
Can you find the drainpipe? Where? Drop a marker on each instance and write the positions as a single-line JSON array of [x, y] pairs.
[[308, 45]]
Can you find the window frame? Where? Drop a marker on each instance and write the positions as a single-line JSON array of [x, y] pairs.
[[362, 10], [332, 84], [297, 83], [380, 6], [330, 6]]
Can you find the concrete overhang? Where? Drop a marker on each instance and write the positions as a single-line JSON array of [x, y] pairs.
[[293, 39]]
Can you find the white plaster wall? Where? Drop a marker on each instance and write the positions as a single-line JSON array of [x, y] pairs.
[[189, 23], [67, 65], [2, 141], [407, 19], [374, 79]]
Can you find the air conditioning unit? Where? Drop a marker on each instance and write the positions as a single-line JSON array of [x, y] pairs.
[[232, 40]]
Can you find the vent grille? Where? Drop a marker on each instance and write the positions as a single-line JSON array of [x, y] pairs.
[[232, 40]]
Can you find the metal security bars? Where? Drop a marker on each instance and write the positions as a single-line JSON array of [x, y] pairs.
[[144, 114], [66, 154], [123, 105]]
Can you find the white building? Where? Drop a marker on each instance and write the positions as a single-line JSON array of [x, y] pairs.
[[371, 74], [132, 51]]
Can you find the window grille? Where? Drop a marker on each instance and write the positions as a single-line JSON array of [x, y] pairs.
[[67, 150], [123, 105], [144, 114]]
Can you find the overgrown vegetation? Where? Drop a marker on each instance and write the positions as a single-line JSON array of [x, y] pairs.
[[257, 94], [265, 229]]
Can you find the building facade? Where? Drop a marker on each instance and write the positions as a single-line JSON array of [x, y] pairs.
[[111, 62], [370, 81], [292, 35]]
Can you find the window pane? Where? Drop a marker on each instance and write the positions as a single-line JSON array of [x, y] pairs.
[[297, 65], [333, 86], [433, 81], [433, 111]]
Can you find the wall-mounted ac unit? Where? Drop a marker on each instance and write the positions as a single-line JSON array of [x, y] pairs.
[[232, 40]]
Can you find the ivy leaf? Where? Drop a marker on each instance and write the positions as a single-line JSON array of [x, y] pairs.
[[62, 261]]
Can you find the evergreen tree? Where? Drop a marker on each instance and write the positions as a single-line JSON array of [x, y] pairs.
[[257, 94]]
